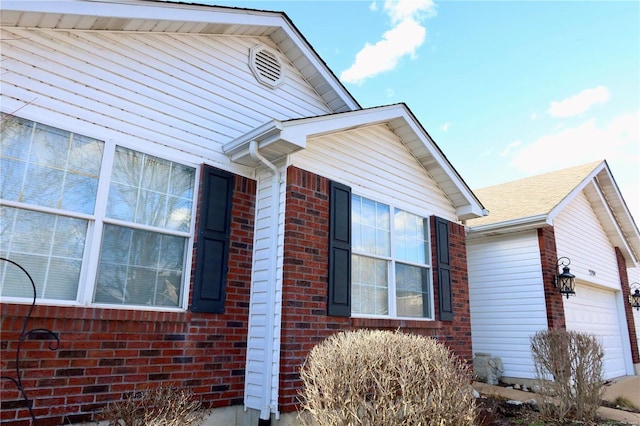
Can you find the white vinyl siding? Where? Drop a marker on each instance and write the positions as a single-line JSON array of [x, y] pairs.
[[581, 238], [191, 92], [506, 298], [263, 341], [596, 306], [375, 163]]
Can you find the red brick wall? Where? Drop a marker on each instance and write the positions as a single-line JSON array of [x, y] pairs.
[[105, 354], [304, 294], [455, 334], [549, 260], [628, 310]]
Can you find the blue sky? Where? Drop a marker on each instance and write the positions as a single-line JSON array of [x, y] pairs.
[[507, 89]]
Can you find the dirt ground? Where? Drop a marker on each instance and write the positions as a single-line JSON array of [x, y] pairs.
[[496, 411]]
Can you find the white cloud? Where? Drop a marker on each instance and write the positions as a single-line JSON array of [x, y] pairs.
[[509, 148], [373, 6], [445, 127], [399, 10], [617, 141], [577, 104], [487, 152], [390, 93], [407, 35], [578, 145], [534, 116]]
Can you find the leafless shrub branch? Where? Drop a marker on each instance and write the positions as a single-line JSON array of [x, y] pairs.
[[162, 406], [568, 366], [377, 377]]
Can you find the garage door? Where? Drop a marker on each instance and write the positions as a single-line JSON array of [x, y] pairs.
[[593, 310]]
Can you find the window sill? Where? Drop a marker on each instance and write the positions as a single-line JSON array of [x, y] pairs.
[[391, 323], [42, 310]]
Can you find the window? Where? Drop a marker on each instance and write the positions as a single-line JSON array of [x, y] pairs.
[[56, 203], [390, 262]]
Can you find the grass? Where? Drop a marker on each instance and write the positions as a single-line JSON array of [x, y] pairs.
[[624, 403]]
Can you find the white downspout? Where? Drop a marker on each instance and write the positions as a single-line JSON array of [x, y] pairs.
[[265, 412]]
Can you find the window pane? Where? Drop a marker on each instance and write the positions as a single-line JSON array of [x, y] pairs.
[[412, 295], [45, 166], [370, 227], [49, 247], [151, 191], [140, 267], [370, 286], [411, 242], [14, 132]]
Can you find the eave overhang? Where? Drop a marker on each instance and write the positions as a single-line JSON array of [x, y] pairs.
[[171, 17], [509, 226], [277, 139], [607, 202]]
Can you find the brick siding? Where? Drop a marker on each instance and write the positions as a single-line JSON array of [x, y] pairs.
[[549, 260], [304, 294], [628, 310], [106, 354]]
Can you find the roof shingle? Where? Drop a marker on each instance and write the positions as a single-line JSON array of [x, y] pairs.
[[531, 196]]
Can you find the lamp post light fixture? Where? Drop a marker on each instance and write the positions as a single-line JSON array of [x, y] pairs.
[[565, 281], [634, 298]]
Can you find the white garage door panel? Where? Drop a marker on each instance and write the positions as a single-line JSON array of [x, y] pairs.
[[594, 311]]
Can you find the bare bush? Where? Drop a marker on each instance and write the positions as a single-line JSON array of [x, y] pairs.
[[162, 406], [568, 366], [372, 377]]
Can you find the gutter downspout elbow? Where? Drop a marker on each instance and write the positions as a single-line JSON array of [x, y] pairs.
[[265, 412]]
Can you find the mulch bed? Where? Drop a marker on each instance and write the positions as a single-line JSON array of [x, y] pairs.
[[496, 411]]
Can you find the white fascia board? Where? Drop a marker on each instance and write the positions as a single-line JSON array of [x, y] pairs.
[[621, 216], [266, 131], [509, 226], [471, 211], [149, 10], [321, 66], [620, 238], [339, 122], [474, 207], [574, 192], [182, 12], [293, 130]]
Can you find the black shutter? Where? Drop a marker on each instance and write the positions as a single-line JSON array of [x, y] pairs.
[[212, 251], [443, 267], [339, 303]]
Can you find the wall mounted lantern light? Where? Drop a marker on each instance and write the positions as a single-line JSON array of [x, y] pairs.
[[634, 295], [565, 281]]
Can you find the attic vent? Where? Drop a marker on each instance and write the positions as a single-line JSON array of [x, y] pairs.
[[266, 66]]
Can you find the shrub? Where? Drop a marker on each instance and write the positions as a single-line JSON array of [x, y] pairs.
[[377, 377], [162, 406], [568, 366]]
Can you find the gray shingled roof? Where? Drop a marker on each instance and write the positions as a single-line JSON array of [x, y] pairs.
[[531, 196]]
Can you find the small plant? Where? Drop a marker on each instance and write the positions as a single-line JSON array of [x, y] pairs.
[[624, 403], [568, 367], [162, 406], [373, 377]]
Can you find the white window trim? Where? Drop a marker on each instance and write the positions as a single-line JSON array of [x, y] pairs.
[[90, 259], [391, 270]]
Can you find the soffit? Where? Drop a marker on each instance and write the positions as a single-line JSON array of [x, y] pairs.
[[535, 201], [157, 16], [277, 139]]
